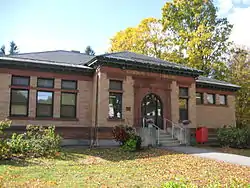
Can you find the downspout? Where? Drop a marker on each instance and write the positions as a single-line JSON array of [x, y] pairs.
[[95, 140]]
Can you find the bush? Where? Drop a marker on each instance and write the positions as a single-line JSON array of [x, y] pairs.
[[172, 184], [127, 138], [132, 144], [233, 137], [122, 133], [37, 141], [5, 151]]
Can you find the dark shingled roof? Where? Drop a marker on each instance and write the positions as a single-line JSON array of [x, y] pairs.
[[140, 58], [211, 81], [80, 61], [58, 56]]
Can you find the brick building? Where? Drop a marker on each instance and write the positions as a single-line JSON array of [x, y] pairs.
[[85, 96]]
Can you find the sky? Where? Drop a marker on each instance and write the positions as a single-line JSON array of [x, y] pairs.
[[39, 25]]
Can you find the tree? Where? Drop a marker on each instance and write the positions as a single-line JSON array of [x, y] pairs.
[[239, 73], [89, 51], [13, 48], [198, 34], [2, 51], [146, 38]]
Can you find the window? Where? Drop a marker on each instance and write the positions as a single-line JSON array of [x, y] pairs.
[[20, 81], [183, 109], [69, 84], [115, 85], [68, 105], [19, 102], [199, 98], [223, 99], [211, 99], [68, 100], [115, 99], [19, 98], [115, 105], [183, 92], [183, 103], [45, 83], [44, 104]]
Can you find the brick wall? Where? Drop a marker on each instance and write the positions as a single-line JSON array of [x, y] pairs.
[[103, 102], [84, 105], [215, 116], [174, 102]]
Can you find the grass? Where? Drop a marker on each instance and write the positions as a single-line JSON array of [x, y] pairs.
[[77, 167]]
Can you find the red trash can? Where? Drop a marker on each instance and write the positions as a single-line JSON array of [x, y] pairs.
[[201, 135]]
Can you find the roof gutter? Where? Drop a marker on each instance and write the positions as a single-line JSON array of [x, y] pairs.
[[48, 66], [145, 67]]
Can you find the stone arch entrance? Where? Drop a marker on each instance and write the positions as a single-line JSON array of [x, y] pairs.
[[152, 108]]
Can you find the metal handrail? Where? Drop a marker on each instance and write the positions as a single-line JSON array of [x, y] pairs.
[[182, 131]]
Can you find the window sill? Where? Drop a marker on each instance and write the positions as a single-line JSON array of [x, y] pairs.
[[115, 119], [115, 91], [215, 105], [41, 118]]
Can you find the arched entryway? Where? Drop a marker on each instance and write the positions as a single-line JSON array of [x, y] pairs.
[[152, 107]]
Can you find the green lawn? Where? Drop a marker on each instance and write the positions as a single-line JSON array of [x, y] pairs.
[[115, 168]]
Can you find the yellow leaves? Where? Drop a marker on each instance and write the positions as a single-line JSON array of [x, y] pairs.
[[116, 168]]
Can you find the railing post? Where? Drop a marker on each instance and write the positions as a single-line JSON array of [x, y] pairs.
[[172, 130], [158, 140]]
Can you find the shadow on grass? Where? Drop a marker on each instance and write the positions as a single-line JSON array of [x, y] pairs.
[[75, 154], [112, 154], [17, 162]]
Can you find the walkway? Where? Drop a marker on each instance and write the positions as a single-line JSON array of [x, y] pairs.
[[210, 154]]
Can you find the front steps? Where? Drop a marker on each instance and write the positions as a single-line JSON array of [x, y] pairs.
[[167, 140]]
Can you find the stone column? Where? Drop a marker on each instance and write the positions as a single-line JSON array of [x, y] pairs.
[[57, 99], [5, 95], [174, 102], [32, 97], [192, 105]]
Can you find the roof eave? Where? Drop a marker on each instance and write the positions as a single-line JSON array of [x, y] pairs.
[[129, 63], [47, 67], [201, 84]]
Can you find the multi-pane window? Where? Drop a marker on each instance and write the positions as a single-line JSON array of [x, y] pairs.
[[19, 100], [183, 103], [115, 99], [44, 99], [69, 84], [20, 81], [199, 98], [223, 99], [183, 107], [211, 99], [68, 99], [44, 104], [45, 83], [115, 85]]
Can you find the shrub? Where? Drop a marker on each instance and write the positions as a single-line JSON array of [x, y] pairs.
[[5, 151], [172, 184], [122, 133], [127, 137], [233, 137], [4, 125], [37, 141], [132, 144]]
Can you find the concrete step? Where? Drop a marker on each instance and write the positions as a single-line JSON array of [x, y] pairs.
[[166, 136], [170, 143], [167, 139]]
